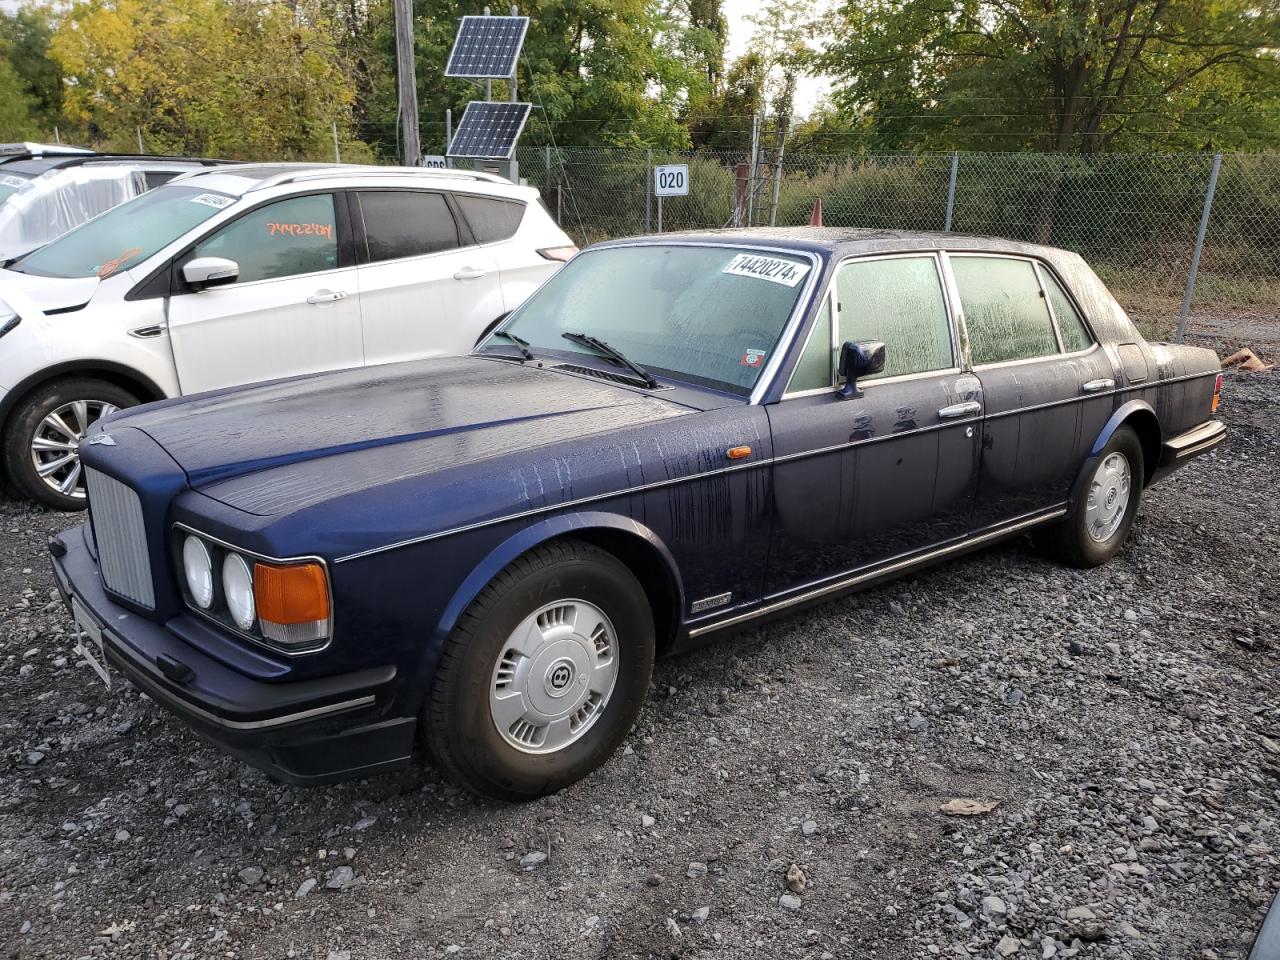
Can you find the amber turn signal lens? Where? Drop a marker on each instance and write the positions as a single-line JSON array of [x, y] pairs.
[[1217, 394], [297, 593], [738, 453]]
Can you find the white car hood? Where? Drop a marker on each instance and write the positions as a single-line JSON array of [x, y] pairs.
[[28, 294]]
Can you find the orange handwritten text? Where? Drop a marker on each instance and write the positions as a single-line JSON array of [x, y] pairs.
[[115, 263], [301, 230]]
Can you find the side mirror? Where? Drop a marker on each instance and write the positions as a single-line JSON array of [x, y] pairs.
[[858, 360], [203, 272]]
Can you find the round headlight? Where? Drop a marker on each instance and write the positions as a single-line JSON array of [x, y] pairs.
[[237, 586], [198, 567]]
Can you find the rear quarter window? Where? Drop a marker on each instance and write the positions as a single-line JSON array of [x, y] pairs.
[[490, 219]]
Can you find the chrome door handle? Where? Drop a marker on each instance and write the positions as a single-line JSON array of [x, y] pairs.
[[326, 296], [970, 408], [469, 273], [1097, 386]]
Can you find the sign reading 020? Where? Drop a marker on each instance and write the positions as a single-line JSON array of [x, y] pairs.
[[671, 180]]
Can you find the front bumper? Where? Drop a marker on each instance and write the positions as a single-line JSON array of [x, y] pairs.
[[301, 732], [1180, 450]]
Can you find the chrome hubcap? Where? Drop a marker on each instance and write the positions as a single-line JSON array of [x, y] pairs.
[[554, 677], [55, 445], [1108, 497]]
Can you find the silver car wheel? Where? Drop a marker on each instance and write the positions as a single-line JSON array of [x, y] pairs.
[[55, 445], [554, 676], [1108, 497]]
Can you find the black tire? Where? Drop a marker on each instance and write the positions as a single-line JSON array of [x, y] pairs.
[[1070, 541], [26, 417], [458, 726]]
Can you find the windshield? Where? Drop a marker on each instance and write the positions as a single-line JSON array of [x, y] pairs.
[[708, 315], [125, 235], [11, 183]]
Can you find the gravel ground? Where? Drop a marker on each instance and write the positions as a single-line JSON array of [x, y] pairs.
[[1126, 721]]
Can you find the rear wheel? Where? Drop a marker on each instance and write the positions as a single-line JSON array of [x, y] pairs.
[[544, 674], [1104, 506], [42, 442]]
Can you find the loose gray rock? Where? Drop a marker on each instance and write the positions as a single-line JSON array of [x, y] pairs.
[[340, 878], [533, 859], [789, 901], [700, 915], [304, 888], [696, 871], [249, 875]]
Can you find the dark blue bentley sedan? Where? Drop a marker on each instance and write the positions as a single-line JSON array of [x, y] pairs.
[[673, 437]]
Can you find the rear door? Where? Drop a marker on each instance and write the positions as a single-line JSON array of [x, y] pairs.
[[858, 482], [293, 310], [426, 289], [1048, 387]]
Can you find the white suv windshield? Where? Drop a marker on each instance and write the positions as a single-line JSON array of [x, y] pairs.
[[708, 315], [126, 235]]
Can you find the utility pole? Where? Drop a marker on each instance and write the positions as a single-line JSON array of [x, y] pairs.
[[407, 82]]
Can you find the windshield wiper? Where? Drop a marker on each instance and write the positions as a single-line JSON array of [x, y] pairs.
[[613, 353], [521, 343]]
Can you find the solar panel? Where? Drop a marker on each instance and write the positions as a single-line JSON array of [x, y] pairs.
[[487, 47], [489, 130]]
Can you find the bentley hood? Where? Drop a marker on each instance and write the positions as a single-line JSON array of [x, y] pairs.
[[282, 446]]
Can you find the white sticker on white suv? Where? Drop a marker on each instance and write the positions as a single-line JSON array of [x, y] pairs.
[[213, 200], [786, 272], [12, 181]]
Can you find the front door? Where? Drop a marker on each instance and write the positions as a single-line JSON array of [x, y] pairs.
[[424, 291], [294, 308], [1047, 386], [861, 481]]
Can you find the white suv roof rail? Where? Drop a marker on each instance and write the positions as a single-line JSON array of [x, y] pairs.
[[321, 171]]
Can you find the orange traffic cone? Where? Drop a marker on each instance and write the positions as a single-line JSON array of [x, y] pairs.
[[815, 218]]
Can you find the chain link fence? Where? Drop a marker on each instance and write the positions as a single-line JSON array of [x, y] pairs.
[[1135, 218]]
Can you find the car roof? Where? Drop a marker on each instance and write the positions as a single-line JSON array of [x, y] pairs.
[[247, 178], [850, 241], [43, 164]]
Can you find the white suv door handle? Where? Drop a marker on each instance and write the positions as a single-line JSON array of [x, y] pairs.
[[469, 273], [326, 296]]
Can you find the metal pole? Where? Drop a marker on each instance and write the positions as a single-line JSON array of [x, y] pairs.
[[1195, 257], [488, 84], [448, 135], [141, 148], [337, 155], [407, 82], [659, 213], [648, 190], [57, 136], [515, 12], [777, 170], [951, 191], [751, 171]]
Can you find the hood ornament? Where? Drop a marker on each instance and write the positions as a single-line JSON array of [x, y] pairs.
[[102, 438]]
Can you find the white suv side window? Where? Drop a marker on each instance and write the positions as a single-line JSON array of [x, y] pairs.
[[282, 239]]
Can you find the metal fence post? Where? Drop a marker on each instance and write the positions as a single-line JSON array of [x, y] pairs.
[[1195, 257], [648, 191], [951, 191], [337, 154]]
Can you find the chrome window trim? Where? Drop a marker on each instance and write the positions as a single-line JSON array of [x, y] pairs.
[[958, 361], [1041, 359], [1053, 314], [1053, 324], [278, 561]]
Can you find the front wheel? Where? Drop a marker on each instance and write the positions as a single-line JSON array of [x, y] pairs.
[[544, 674], [42, 443], [1103, 508]]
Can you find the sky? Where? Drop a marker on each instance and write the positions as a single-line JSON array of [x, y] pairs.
[[808, 91]]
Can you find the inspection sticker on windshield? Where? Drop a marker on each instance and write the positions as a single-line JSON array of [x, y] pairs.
[[213, 200], [12, 181], [786, 272]]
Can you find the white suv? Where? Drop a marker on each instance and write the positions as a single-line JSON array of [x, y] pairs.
[[251, 273]]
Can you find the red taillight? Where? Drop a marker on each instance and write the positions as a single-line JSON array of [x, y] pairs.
[[1217, 394], [558, 253]]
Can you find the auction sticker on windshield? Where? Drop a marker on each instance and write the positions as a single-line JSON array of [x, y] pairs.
[[213, 200], [774, 269]]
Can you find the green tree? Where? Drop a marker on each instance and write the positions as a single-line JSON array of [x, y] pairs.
[[17, 121], [1077, 75], [211, 77], [25, 35]]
